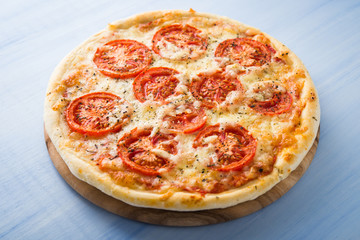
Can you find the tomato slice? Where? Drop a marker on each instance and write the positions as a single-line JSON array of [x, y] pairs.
[[234, 146], [136, 151], [189, 121], [122, 58], [212, 88], [278, 103], [155, 84], [97, 114], [171, 40], [245, 51]]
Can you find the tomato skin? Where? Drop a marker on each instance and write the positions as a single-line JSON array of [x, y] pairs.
[[183, 36], [158, 81], [187, 122], [134, 148], [206, 132], [96, 105], [245, 51], [136, 57], [235, 147], [280, 103], [212, 88]]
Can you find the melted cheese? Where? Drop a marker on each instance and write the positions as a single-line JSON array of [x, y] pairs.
[[262, 91], [171, 51]]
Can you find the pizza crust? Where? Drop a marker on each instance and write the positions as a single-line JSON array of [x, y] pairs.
[[290, 158], [286, 162]]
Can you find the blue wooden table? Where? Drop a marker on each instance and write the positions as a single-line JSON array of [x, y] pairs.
[[36, 203]]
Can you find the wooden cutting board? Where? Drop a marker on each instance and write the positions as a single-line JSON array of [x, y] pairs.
[[173, 218]]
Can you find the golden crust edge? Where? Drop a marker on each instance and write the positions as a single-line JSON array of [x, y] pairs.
[[309, 114], [178, 201]]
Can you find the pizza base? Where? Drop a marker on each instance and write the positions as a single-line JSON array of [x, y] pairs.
[[286, 162]]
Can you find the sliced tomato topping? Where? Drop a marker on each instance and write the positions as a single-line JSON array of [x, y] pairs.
[[97, 114], [245, 51], [179, 42], [234, 146], [139, 151], [278, 102], [188, 121], [155, 84], [212, 88], [122, 58]]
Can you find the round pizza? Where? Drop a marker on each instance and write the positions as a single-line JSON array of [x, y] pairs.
[[182, 111]]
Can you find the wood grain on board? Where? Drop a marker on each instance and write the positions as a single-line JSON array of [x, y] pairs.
[[174, 218]]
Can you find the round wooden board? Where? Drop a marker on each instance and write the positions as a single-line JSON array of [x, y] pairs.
[[173, 218]]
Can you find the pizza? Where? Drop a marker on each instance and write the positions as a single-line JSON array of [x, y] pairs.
[[183, 111]]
